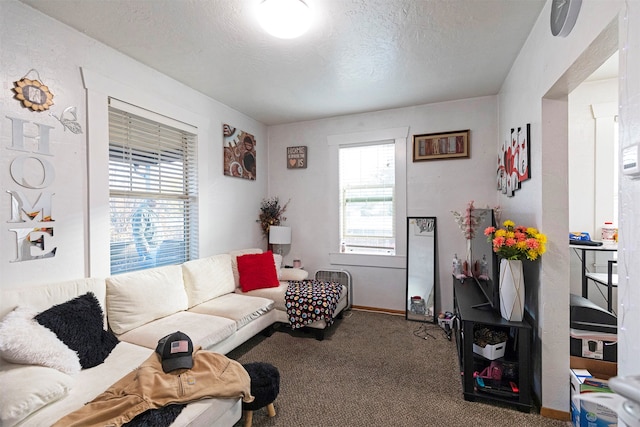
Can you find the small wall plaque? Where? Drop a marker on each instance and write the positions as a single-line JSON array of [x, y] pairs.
[[297, 157]]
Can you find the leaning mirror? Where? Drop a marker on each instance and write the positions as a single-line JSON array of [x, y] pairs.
[[421, 269]]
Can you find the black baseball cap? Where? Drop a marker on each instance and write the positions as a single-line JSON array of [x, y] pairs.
[[175, 351]]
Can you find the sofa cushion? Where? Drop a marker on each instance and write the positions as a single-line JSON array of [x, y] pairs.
[[44, 296], [78, 323], [136, 298], [89, 383], [275, 294], [23, 340], [234, 261], [204, 330], [25, 389], [240, 308], [207, 278], [257, 271]]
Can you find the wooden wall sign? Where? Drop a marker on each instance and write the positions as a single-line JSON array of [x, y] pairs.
[[297, 157]]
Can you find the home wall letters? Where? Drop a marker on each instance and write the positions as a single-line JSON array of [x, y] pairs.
[[31, 170]]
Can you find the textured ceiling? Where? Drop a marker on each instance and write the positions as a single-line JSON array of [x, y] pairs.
[[359, 55]]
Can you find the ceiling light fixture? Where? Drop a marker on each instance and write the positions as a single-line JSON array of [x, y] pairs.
[[286, 19]]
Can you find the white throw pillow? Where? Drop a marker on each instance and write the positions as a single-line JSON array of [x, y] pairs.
[[295, 274], [234, 261], [140, 297], [277, 259], [208, 278], [23, 340], [29, 388]]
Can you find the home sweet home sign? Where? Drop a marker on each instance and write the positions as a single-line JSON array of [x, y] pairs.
[[297, 157]]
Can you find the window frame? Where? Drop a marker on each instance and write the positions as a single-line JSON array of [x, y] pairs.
[[96, 222], [399, 137], [176, 187], [357, 193]]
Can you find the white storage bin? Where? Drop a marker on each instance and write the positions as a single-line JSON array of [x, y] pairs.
[[491, 352]]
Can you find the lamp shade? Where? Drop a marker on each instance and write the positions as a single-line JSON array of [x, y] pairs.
[[279, 235]]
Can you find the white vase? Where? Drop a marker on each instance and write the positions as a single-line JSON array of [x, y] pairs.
[[511, 290]]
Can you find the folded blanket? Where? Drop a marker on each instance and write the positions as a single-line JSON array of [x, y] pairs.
[[308, 301]]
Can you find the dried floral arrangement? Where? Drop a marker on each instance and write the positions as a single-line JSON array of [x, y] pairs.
[[468, 220], [271, 213]]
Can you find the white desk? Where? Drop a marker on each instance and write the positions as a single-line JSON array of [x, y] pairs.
[[609, 279]]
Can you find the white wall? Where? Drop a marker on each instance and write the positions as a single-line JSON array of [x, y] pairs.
[[584, 163], [228, 206], [434, 188], [629, 196], [547, 69]]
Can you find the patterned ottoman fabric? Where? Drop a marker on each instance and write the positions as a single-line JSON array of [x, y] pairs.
[[310, 300]]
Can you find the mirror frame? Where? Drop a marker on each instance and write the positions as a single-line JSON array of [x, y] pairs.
[[431, 317]]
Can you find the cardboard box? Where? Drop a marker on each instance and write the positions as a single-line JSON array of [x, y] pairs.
[[589, 414], [597, 368], [491, 352], [594, 345]]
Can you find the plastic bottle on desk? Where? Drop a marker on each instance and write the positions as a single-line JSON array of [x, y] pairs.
[[608, 233]]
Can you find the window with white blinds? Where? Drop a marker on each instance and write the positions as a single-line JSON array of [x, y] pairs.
[[367, 198], [152, 192]]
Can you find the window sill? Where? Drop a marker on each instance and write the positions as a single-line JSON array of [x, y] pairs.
[[362, 260]]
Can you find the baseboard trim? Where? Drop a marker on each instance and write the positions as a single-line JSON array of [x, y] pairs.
[[555, 414], [378, 310]]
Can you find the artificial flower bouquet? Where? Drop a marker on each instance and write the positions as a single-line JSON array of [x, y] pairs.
[[516, 242]]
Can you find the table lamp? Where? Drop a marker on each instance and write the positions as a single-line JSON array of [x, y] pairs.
[[279, 235]]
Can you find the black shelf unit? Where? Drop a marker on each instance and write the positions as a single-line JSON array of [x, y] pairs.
[[466, 294]]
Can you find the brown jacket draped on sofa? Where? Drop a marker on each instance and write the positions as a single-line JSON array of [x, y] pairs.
[[148, 387]]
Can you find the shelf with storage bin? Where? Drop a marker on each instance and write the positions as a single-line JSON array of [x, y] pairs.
[[514, 387]]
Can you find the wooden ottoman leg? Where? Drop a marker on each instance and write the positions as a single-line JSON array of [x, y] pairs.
[[248, 418], [271, 410]]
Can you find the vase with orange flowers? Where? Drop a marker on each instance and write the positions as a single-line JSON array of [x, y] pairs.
[[513, 244]]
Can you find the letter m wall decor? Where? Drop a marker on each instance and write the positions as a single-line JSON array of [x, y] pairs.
[[513, 160]]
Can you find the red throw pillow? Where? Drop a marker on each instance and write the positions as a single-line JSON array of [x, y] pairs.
[[257, 271]]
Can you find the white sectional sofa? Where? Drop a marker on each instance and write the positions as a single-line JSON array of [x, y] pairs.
[[201, 298]]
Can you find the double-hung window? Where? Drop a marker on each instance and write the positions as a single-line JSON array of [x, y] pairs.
[[367, 198], [152, 190]]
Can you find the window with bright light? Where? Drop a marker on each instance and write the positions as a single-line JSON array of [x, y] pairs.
[[367, 198], [152, 192]]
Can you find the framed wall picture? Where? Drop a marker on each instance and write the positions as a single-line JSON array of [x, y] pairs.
[[513, 160], [445, 145], [239, 153], [297, 157]]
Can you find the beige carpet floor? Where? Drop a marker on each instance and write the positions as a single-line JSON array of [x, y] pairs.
[[372, 369]]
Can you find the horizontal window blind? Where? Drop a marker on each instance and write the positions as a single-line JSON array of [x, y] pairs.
[[367, 198], [152, 193]]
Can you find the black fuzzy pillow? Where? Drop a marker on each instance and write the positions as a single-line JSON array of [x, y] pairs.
[[79, 324]]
